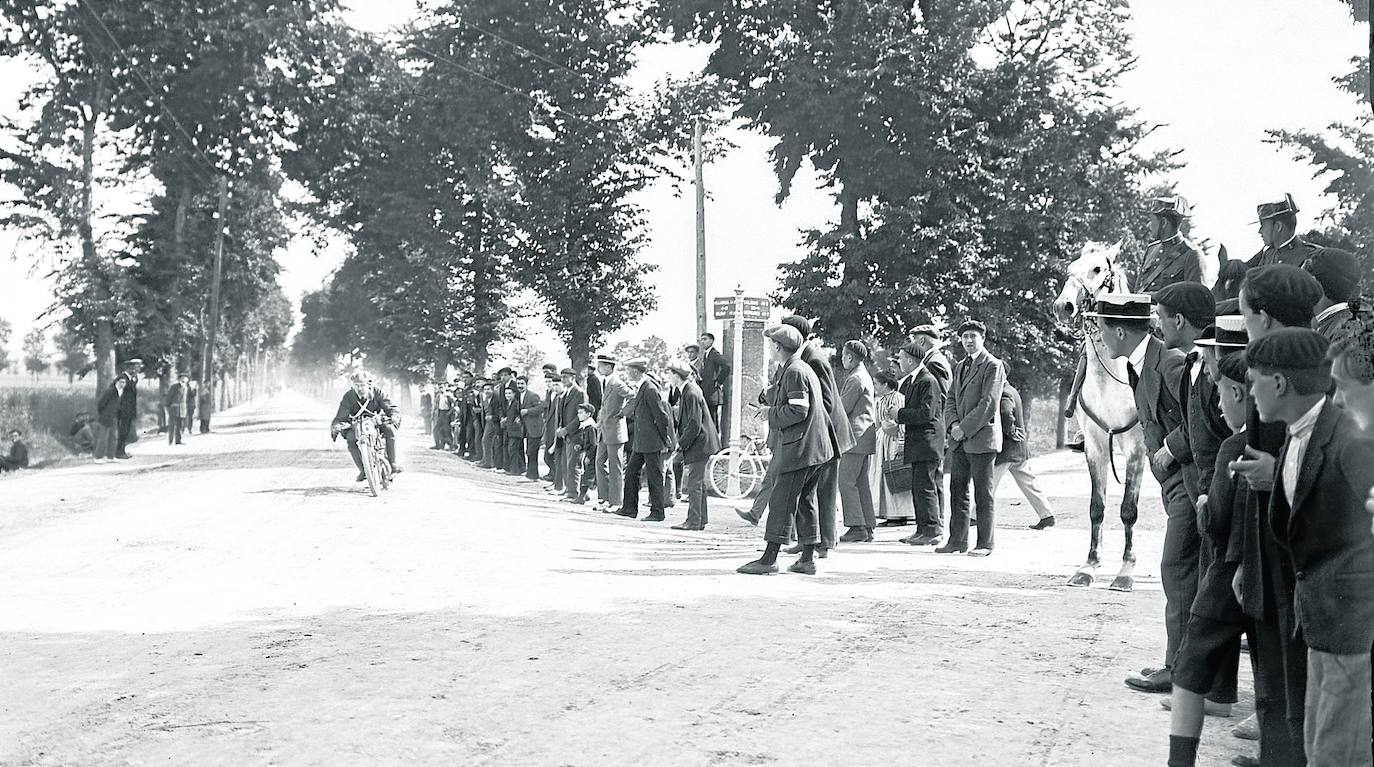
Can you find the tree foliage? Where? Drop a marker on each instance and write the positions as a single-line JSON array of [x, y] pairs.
[[37, 360]]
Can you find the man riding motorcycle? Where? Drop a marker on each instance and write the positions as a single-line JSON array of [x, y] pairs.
[[364, 395]]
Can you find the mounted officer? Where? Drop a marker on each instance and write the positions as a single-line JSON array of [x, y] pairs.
[[1278, 228], [1169, 257]]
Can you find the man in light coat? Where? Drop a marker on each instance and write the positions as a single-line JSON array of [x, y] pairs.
[[974, 424], [697, 441], [610, 448], [855, 480], [650, 438]]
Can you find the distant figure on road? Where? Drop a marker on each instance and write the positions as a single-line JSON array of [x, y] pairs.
[[106, 424], [178, 404], [19, 453], [204, 395], [128, 407], [362, 396]]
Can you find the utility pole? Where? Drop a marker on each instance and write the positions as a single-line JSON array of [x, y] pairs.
[[207, 379], [701, 228]]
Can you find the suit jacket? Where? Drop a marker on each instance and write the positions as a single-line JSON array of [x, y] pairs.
[[551, 410], [494, 409], [1194, 442], [715, 371], [1015, 447], [798, 416], [178, 400], [107, 408], [922, 416], [1327, 533], [567, 407], [532, 422], [1156, 398], [595, 389], [512, 425], [128, 402], [1168, 262], [1216, 598], [19, 456], [841, 438], [652, 424], [615, 398], [856, 396], [939, 366], [1339, 324], [697, 435], [1294, 253], [973, 403], [351, 404]]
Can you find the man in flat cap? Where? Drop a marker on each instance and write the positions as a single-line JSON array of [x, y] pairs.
[[805, 443], [573, 395], [1155, 373], [1317, 515], [922, 417], [1338, 273], [837, 425], [1169, 257], [553, 400], [697, 440], [1278, 229], [610, 449], [714, 371], [649, 439], [130, 371], [973, 423]]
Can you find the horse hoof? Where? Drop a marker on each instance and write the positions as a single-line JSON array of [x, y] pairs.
[[1122, 583], [1081, 579]]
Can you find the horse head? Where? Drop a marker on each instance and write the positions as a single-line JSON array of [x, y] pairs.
[[1091, 274]]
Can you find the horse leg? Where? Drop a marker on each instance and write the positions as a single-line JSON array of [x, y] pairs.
[[1096, 453], [1135, 469]]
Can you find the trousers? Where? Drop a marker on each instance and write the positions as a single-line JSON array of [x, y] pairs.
[[1178, 563], [650, 465], [794, 496], [977, 469], [827, 496], [1337, 724], [856, 491], [926, 481], [532, 457], [696, 494], [610, 472], [174, 426], [1020, 471]]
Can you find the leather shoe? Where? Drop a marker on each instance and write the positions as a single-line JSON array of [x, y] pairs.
[[951, 549], [1044, 524], [822, 552], [894, 523], [980, 552], [1160, 681], [855, 535], [794, 549], [688, 527], [610, 510], [624, 513], [362, 477], [654, 518], [1248, 729], [921, 540], [396, 469], [802, 568], [747, 517], [756, 568]]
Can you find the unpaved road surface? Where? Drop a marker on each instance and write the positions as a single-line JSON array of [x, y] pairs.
[[241, 601]]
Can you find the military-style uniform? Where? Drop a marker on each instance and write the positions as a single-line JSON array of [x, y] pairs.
[[1168, 261], [1294, 253]]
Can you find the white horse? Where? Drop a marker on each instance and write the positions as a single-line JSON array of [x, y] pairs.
[[1106, 407]]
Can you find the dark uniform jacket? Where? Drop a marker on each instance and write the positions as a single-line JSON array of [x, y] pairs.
[[1167, 262], [1015, 447], [798, 416], [922, 416], [715, 371], [128, 402], [1156, 398], [973, 403], [1194, 443], [697, 436], [841, 438], [351, 404], [1326, 532], [652, 424], [1294, 253]]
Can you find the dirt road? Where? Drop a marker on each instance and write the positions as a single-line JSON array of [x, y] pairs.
[[241, 601]]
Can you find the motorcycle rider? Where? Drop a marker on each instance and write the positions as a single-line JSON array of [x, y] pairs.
[[364, 395]]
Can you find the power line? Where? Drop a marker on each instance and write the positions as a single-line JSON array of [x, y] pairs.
[[149, 87], [523, 49]]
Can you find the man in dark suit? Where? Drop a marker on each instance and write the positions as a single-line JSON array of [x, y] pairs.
[[477, 425], [649, 438], [1169, 257], [805, 443], [1317, 515], [837, 423], [18, 457], [128, 406], [553, 397], [364, 396], [442, 415], [697, 440], [1278, 229], [1156, 375], [595, 388], [532, 425], [568, 420], [714, 372], [178, 404], [923, 443], [427, 406], [973, 422]]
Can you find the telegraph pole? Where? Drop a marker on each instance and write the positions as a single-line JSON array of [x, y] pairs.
[[701, 228], [207, 378]]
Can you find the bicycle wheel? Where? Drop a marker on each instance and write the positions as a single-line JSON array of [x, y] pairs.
[[741, 482], [369, 457], [383, 466]]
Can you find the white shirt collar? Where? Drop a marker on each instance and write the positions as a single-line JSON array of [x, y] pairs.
[[1331, 310], [1287, 242], [1304, 425], [1137, 358]]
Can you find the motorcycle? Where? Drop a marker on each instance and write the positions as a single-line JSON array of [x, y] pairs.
[[372, 449]]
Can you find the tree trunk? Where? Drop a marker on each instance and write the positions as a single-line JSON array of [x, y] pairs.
[[855, 272], [104, 340], [483, 288], [579, 352]]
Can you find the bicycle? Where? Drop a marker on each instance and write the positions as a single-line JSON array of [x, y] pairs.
[[372, 450], [737, 471]]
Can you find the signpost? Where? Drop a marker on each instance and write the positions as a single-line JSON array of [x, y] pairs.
[[739, 309]]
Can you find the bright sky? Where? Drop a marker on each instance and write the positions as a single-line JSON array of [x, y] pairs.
[[1214, 73]]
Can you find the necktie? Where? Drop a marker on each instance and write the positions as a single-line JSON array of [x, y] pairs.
[[1132, 376]]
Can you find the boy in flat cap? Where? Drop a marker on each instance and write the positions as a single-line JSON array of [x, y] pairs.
[[1169, 257], [1278, 230], [973, 424], [1317, 516], [1155, 373]]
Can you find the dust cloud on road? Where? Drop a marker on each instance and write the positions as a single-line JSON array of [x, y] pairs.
[[243, 601]]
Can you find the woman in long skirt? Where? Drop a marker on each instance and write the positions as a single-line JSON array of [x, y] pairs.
[[894, 508]]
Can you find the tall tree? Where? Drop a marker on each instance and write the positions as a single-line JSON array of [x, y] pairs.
[[36, 357], [74, 354]]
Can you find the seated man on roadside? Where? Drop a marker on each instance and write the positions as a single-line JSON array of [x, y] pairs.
[[19, 453], [363, 395]]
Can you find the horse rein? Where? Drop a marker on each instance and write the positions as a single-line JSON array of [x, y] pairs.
[[1086, 299]]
